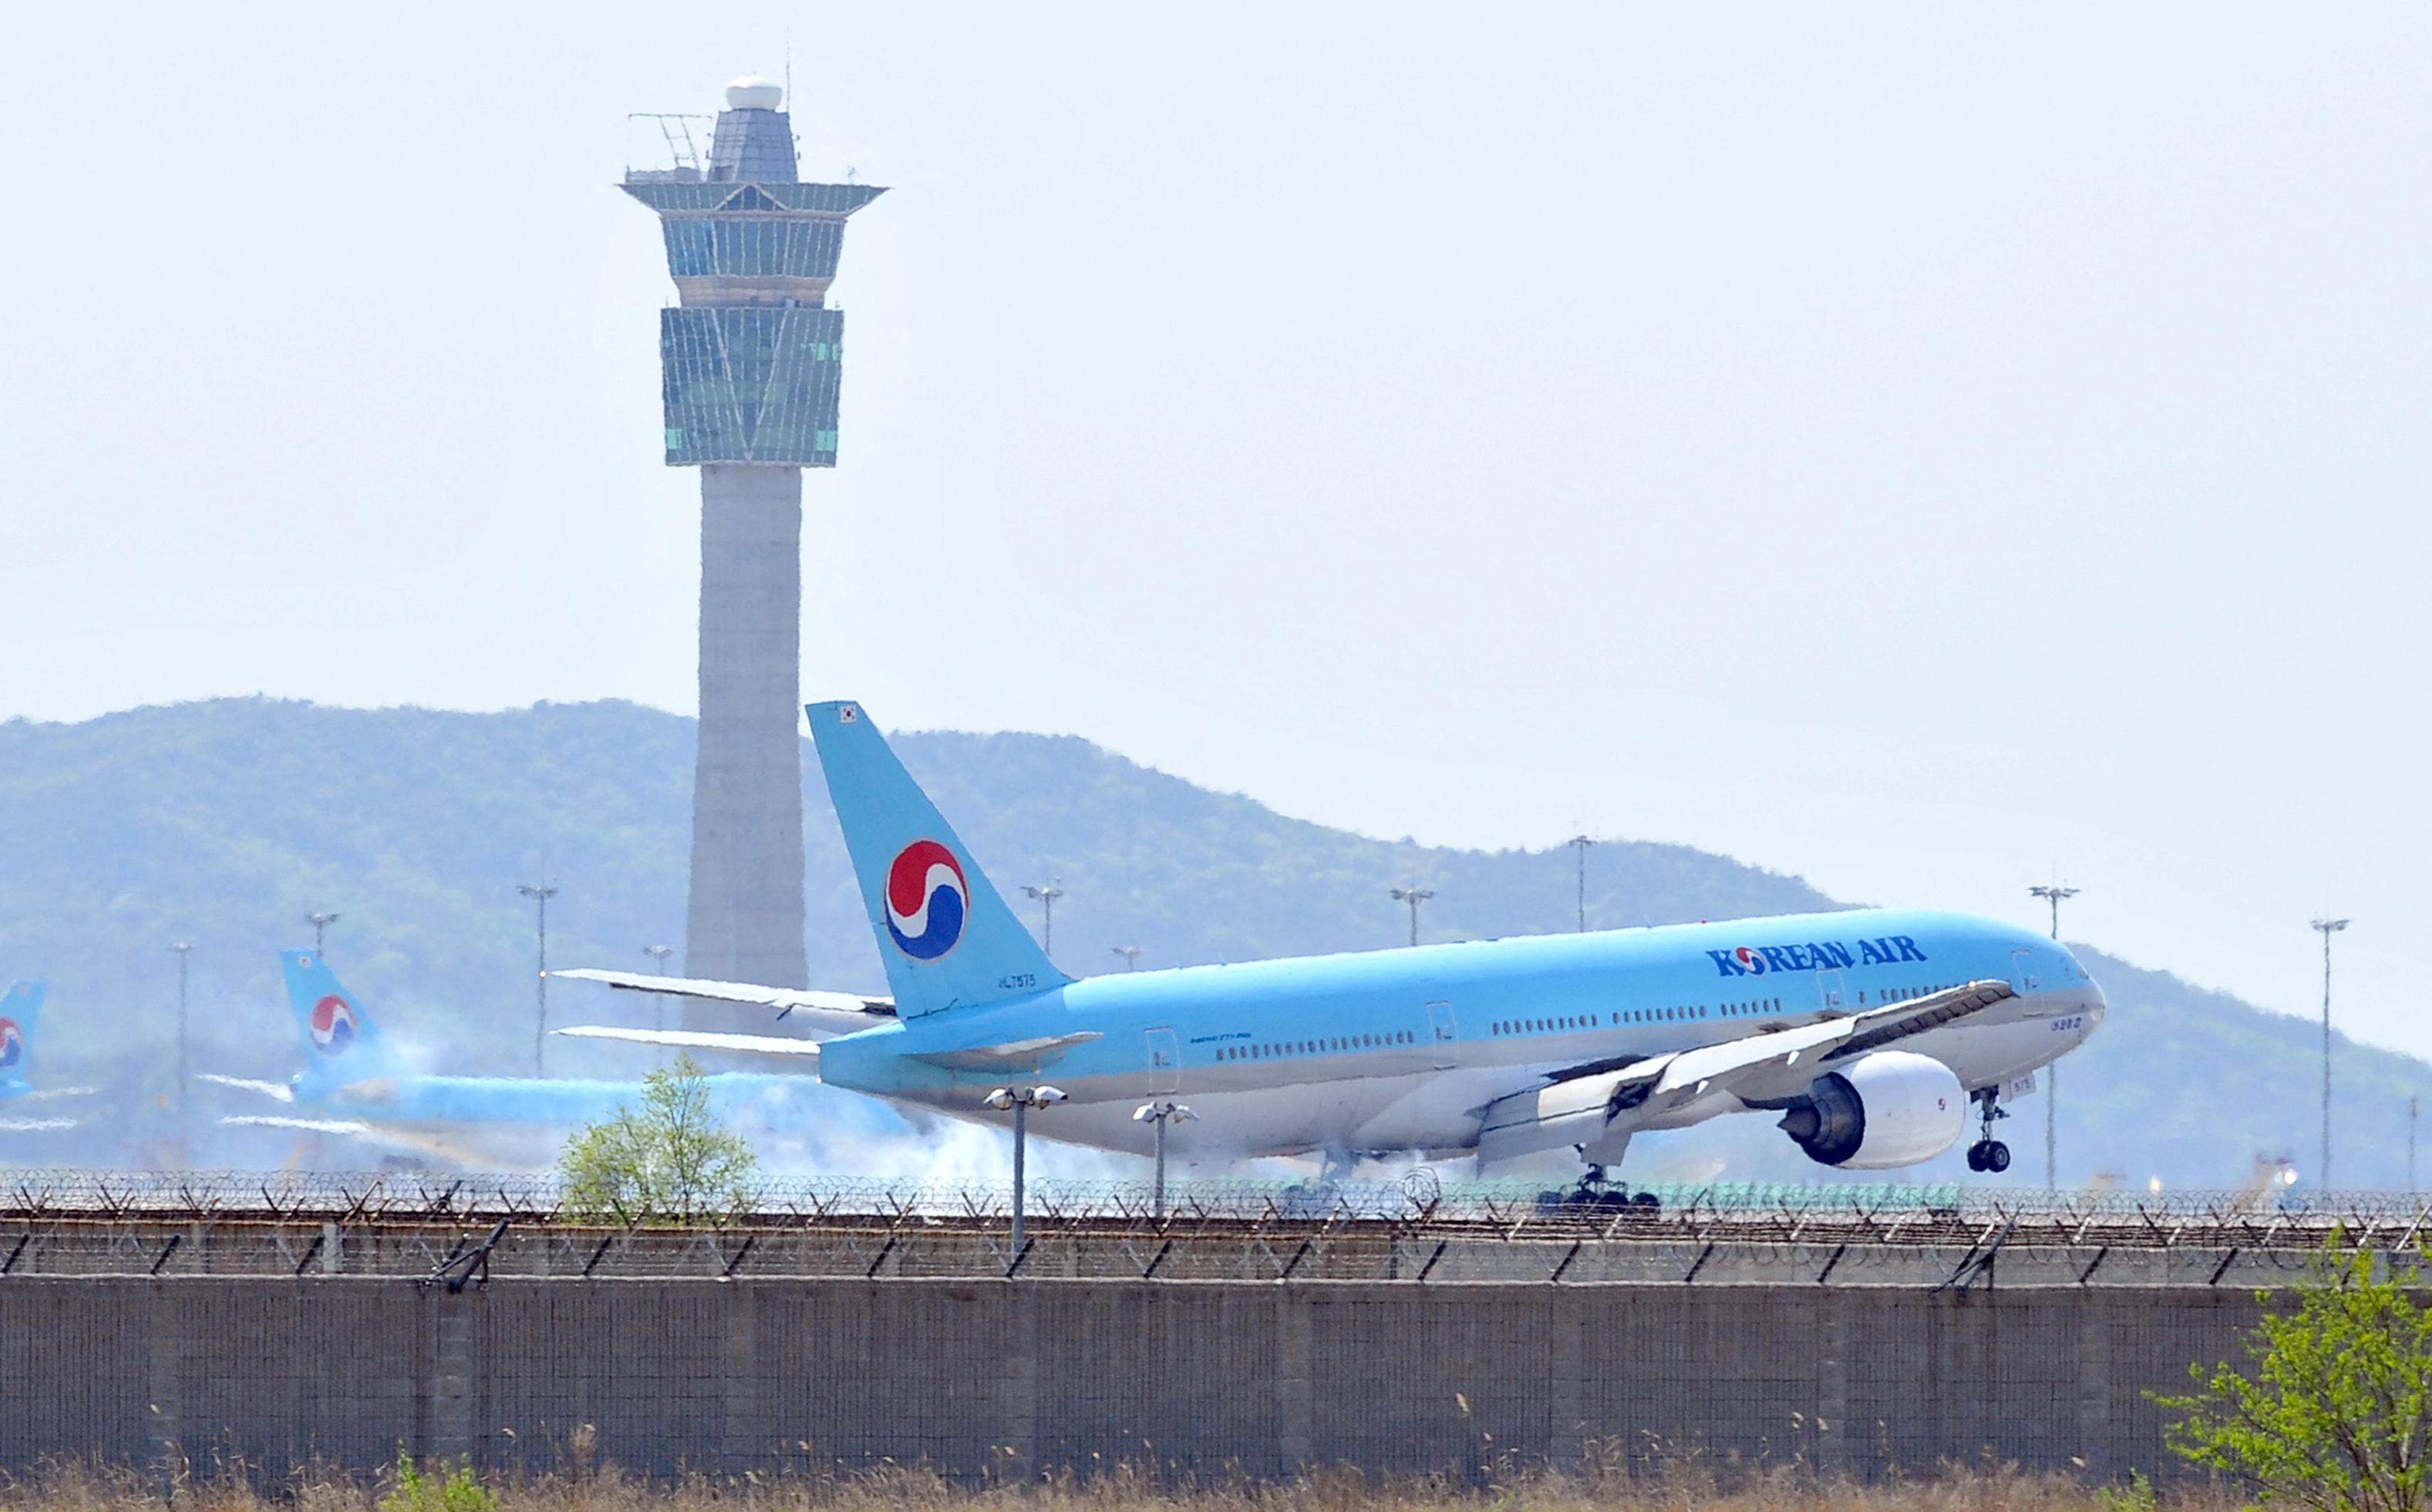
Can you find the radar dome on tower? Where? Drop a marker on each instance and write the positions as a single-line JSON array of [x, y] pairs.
[[752, 92]]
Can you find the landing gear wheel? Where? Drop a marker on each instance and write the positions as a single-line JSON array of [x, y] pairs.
[[1976, 1155], [1996, 1156]]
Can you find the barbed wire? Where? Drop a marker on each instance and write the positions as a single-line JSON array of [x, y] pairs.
[[1417, 1198]]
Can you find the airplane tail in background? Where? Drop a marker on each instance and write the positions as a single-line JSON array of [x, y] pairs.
[[21, 1007], [341, 1042], [947, 938]]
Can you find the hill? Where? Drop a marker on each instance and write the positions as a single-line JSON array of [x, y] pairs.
[[225, 822]]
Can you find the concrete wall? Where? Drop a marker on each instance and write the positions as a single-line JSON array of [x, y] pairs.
[[982, 1378]]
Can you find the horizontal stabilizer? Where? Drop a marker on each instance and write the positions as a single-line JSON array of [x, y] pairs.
[[700, 1039], [1013, 1056], [272, 1120], [269, 1089], [839, 1011]]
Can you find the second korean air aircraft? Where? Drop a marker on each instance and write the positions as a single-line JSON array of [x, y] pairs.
[[1868, 1035], [355, 1083]]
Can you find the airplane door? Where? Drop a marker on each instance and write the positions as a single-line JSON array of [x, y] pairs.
[[1832, 993], [1447, 1030], [2022, 971], [1164, 1061]]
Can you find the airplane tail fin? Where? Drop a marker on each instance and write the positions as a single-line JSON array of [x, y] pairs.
[[341, 1042], [946, 936], [21, 1007]]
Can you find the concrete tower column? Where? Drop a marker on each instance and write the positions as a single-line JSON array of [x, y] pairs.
[[744, 919]]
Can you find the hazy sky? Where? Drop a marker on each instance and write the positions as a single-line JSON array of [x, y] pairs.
[[1923, 449]]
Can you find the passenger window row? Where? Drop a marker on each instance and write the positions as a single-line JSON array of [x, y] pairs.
[[1905, 994], [1328, 1046], [1635, 1015]]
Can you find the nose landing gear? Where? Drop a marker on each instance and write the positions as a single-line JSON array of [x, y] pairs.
[[1988, 1153]]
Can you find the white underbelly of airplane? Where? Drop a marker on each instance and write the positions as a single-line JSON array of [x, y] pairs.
[[1425, 1110]]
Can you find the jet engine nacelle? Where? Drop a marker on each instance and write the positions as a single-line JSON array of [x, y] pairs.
[[1890, 1108]]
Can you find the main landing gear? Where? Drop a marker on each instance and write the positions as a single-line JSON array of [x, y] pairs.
[[1594, 1194], [1988, 1153]]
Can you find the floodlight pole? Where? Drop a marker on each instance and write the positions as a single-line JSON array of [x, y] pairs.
[[1020, 1142], [2055, 895], [1157, 1114], [1021, 1100], [540, 894], [1413, 896], [1131, 954], [2327, 926], [1581, 843], [658, 954], [1046, 898], [185, 1148], [319, 923]]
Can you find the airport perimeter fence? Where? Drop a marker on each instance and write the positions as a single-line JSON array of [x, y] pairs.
[[453, 1228], [184, 1321]]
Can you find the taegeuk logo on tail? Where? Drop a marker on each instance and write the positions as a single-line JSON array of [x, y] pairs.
[[927, 901]]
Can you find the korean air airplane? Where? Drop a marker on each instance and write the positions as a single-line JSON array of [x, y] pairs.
[[21, 1015], [1868, 1035], [354, 1084]]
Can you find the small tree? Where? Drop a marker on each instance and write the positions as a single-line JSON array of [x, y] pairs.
[[2338, 1410], [668, 1161]]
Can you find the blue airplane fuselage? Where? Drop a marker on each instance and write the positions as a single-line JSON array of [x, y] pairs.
[[1399, 1049]]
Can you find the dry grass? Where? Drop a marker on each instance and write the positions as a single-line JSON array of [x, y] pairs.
[[1676, 1489]]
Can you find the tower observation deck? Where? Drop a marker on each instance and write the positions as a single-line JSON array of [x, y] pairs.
[[750, 364]]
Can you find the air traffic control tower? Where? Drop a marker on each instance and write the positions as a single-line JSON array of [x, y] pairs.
[[749, 363]]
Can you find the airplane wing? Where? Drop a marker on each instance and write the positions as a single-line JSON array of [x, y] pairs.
[[1588, 1102], [1780, 1065], [698, 1039], [1012, 1055], [836, 1013], [404, 1139]]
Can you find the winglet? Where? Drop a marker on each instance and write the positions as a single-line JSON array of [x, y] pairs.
[[944, 933]]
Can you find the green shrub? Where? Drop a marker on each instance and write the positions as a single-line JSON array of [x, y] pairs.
[[438, 1489], [2336, 1413], [667, 1161]]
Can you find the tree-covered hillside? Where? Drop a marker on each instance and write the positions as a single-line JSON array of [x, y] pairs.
[[225, 822]]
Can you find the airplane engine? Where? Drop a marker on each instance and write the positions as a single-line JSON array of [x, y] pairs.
[[1890, 1108]]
